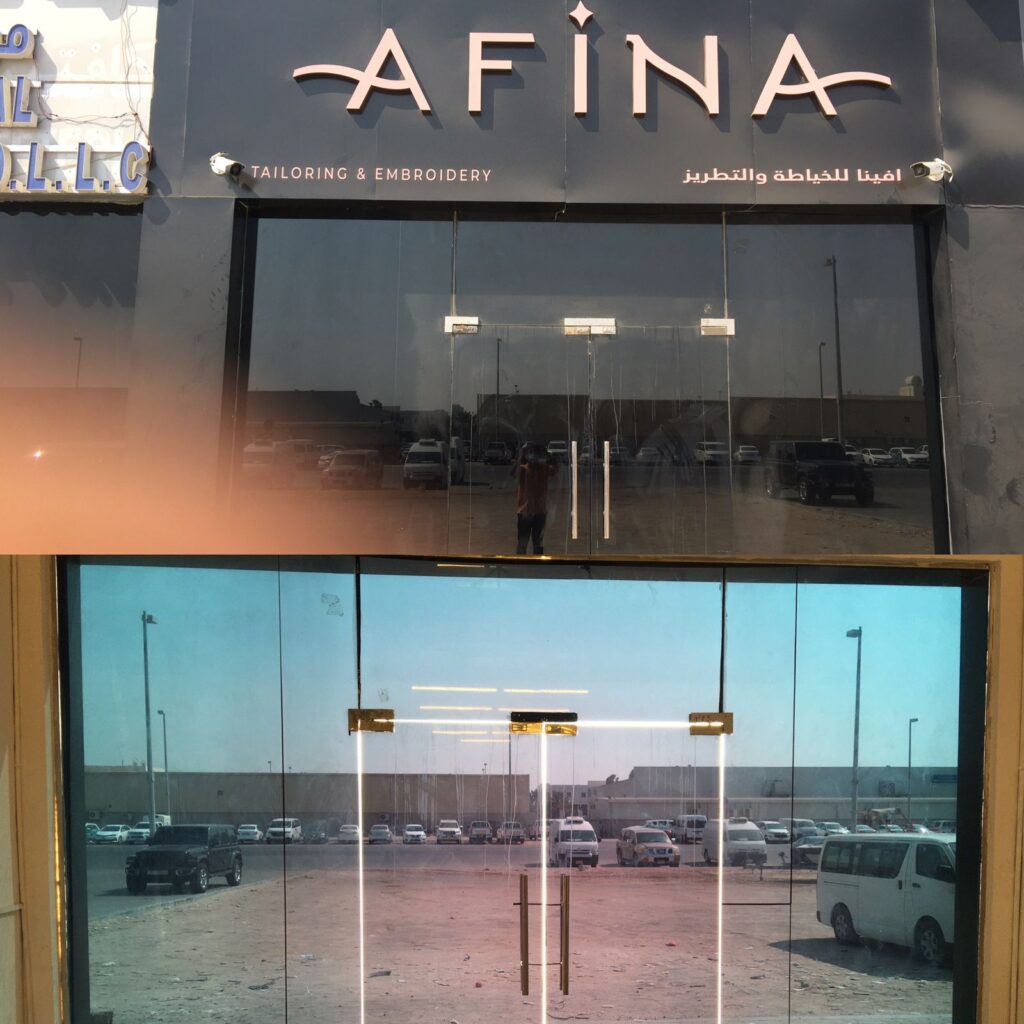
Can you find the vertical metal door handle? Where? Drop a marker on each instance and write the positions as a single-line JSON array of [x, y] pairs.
[[524, 934], [575, 492], [564, 957], [607, 491]]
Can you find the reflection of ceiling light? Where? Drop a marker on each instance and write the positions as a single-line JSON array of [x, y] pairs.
[[452, 707], [459, 732], [540, 711], [543, 691], [484, 741], [457, 689]]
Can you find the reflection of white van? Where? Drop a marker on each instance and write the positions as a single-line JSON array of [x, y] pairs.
[[273, 462], [571, 840], [890, 887], [426, 465], [690, 828], [457, 461], [744, 843], [284, 830]]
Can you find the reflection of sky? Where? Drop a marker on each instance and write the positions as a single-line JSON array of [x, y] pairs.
[[359, 305], [646, 651]]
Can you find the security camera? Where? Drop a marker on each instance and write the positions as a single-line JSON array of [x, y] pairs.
[[933, 170], [221, 163]]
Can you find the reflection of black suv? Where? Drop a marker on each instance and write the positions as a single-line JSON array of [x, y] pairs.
[[186, 854], [816, 470]]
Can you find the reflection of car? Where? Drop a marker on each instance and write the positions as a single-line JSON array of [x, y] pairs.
[[327, 453], [497, 453], [479, 831], [379, 834], [890, 888], [909, 457], [426, 465], [645, 847], [816, 470], [711, 453], [449, 831], [284, 830], [877, 457], [832, 828], [571, 840], [250, 834], [180, 854], [773, 831], [746, 453], [349, 834], [618, 455], [807, 850], [890, 827], [666, 825], [91, 828], [511, 832], [413, 834], [864, 829], [356, 468], [138, 833], [648, 455], [315, 833], [559, 451], [112, 834], [800, 827], [743, 842]]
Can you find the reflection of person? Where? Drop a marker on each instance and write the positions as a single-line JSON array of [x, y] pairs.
[[534, 469]]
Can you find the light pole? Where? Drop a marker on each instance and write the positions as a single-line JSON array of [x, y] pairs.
[[857, 633], [910, 747], [833, 262], [167, 777], [270, 767], [821, 390], [148, 620]]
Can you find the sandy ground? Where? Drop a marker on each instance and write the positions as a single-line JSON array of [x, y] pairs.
[[443, 945]]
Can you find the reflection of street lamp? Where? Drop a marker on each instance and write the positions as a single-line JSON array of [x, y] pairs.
[[167, 777], [834, 263], [821, 391], [857, 633], [148, 620], [910, 747]]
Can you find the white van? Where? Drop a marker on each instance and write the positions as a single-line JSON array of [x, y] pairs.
[[744, 843], [284, 830], [571, 840], [426, 465], [690, 828], [891, 887]]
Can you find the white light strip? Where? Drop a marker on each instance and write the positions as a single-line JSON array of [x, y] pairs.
[[457, 689], [591, 723], [454, 707], [721, 870], [362, 908], [521, 690], [445, 721], [544, 878]]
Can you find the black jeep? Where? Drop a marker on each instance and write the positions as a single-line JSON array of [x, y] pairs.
[[816, 470], [181, 855]]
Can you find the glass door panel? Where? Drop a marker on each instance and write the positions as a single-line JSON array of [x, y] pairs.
[[519, 412]]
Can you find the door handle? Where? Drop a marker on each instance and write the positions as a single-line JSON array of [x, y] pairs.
[[575, 488], [607, 491]]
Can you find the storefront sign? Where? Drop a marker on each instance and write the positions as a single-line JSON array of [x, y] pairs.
[[35, 169]]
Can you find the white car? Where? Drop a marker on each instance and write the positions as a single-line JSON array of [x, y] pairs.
[[138, 833], [912, 458], [773, 831], [742, 840], [648, 455], [746, 454], [249, 834], [449, 831], [413, 834], [350, 834], [379, 834], [114, 834], [709, 453], [877, 457], [284, 830], [832, 828]]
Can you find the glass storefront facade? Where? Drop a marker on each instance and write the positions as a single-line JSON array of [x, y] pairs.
[[379, 873]]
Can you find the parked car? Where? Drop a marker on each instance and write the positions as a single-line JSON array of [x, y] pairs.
[[91, 828], [877, 457], [807, 851], [648, 455], [327, 453], [359, 467], [497, 453], [315, 834], [746, 454], [250, 834], [112, 834], [350, 834], [666, 825], [711, 453], [426, 465], [742, 843], [380, 834], [139, 833], [690, 828], [890, 888], [571, 840], [449, 831], [773, 831], [618, 455], [284, 830], [558, 451], [645, 847], [413, 835], [817, 471], [912, 458], [180, 855], [511, 832], [480, 832], [865, 829], [801, 827], [832, 828]]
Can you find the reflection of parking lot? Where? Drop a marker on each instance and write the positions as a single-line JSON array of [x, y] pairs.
[[442, 943]]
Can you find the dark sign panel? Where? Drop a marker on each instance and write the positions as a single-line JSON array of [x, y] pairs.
[[641, 101]]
